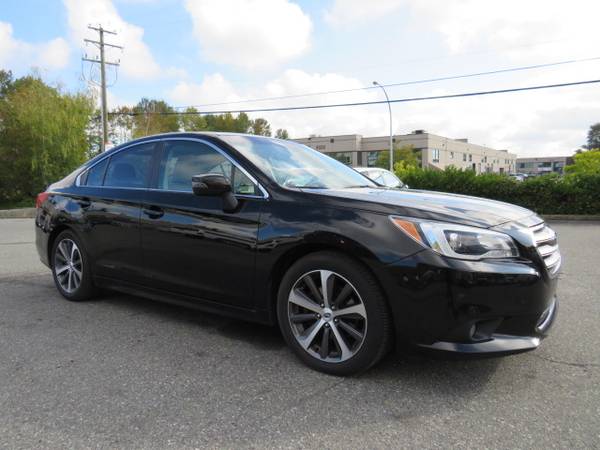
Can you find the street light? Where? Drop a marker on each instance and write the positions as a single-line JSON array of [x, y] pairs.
[[375, 83]]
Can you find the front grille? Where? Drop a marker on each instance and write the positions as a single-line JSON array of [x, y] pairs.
[[545, 241]]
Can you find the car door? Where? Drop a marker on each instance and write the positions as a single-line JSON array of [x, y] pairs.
[[111, 194], [190, 245]]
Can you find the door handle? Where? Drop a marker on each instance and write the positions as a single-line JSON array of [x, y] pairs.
[[153, 212]]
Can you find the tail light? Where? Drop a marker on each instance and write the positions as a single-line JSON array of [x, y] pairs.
[[41, 198]]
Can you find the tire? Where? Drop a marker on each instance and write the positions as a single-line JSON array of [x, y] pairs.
[[366, 332], [80, 287]]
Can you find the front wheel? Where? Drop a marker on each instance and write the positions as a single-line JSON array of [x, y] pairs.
[[333, 314], [71, 268]]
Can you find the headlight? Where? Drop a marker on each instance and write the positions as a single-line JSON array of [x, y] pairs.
[[459, 241]]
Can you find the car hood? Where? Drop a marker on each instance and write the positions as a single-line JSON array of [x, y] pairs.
[[438, 206]]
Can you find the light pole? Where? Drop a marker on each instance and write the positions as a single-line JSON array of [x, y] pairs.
[[375, 83]]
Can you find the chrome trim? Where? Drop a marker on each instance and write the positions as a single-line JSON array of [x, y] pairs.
[[543, 234], [546, 250], [552, 260], [498, 343], [166, 139], [550, 312], [77, 180], [546, 243], [177, 191]]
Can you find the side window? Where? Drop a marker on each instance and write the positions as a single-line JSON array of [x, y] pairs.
[[130, 168], [95, 175], [184, 159]]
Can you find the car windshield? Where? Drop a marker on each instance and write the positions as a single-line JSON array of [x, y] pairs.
[[294, 165]]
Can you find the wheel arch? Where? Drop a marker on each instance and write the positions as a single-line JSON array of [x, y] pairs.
[[343, 246], [56, 231]]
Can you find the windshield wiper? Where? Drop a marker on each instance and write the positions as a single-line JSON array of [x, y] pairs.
[[310, 187], [358, 186]]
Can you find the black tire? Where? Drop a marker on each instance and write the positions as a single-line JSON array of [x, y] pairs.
[[85, 289], [378, 326]]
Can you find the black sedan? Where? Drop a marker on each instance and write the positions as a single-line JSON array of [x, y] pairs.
[[272, 231]]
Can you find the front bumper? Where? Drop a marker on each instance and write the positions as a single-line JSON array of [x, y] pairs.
[[473, 307], [502, 343]]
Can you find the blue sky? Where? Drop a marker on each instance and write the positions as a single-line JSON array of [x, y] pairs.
[[194, 52]]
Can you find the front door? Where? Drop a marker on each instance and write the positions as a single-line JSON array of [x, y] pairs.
[[189, 245]]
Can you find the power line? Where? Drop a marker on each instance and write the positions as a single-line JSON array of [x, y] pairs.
[[403, 83], [101, 44], [375, 102]]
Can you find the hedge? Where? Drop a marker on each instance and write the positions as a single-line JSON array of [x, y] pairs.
[[547, 194]]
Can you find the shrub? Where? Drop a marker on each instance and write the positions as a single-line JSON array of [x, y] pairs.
[[547, 194]]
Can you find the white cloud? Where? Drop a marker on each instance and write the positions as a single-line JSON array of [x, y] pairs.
[[17, 54], [213, 89], [136, 59], [345, 12], [252, 34], [530, 123], [475, 24]]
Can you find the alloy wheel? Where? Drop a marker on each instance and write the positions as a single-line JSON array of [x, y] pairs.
[[68, 265], [327, 316]]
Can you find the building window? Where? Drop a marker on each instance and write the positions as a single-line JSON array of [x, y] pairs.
[[464, 156], [343, 157], [470, 157], [321, 147], [372, 158], [451, 155], [331, 140], [435, 155]]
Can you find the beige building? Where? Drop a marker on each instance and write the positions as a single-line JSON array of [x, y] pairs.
[[437, 152]]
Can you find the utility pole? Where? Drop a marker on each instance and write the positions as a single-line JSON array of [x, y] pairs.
[[103, 63]]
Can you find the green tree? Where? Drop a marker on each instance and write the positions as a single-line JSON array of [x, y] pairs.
[[405, 154], [260, 127], [6, 81], [152, 117], [585, 163], [242, 123], [593, 137], [42, 135], [282, 133], [190, 120]]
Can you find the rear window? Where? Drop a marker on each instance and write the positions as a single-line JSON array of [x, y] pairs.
[[95, 175], [130, 168]]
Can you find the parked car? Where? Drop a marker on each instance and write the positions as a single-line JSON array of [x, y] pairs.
[[518, 176], [382, 177], [272, 231]]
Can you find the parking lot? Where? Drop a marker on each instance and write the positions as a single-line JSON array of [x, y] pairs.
[[126, 372]]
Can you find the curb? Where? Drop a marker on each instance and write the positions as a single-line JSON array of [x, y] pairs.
[[18, 213], [572, 217]]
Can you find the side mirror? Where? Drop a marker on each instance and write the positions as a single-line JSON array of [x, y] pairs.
[[215, 185]]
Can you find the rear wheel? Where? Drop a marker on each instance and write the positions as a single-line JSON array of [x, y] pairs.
[[70, 268], [333, 314]]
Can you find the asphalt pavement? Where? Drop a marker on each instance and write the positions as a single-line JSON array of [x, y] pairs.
[[125, 372]]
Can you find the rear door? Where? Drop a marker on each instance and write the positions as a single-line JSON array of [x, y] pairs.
[[111, 196], [190, 245]]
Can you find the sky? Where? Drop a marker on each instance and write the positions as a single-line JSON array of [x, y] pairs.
[[199, 52]]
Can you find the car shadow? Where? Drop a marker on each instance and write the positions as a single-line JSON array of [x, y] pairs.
[[407, 362]]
